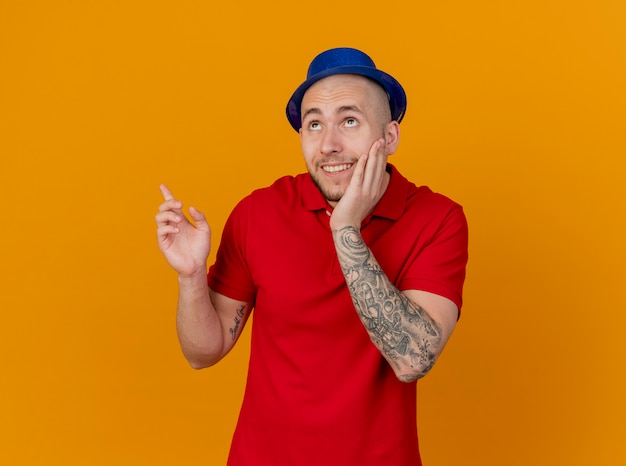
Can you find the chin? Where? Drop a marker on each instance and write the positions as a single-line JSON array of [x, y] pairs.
[[331, 194]]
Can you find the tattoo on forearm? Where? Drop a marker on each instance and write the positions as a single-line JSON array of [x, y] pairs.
[[238, 320], [398, 327]]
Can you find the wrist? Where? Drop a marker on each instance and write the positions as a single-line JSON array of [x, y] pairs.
[[337, 224], [193, 277], [344, 227]]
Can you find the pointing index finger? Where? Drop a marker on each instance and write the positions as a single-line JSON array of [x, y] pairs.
[[167, 195]]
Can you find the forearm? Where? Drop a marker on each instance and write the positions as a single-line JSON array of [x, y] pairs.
[[199, 328], [408, 338]]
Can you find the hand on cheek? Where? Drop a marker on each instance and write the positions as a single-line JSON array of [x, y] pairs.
[[366, 187]]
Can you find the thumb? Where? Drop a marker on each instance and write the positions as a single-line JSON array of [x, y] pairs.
[[199, 219]]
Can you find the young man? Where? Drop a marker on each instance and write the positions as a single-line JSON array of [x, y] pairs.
[[354, 273]]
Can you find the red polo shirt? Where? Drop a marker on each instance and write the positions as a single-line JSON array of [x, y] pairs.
[[318, 390]]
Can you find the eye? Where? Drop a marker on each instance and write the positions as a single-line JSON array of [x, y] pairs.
[[314, 126], [351, 122]]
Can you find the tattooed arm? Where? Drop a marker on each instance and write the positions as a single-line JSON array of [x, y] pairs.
[[409, 328], [409, 337], [208, 323]]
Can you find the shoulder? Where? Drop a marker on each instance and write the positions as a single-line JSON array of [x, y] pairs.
[[425, 194], [422, 202], [422, 197], [284, 187], [281, 195], [437, 213], [428, 214]]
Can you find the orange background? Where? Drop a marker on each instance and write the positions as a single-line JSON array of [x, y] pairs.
[[516, 110]]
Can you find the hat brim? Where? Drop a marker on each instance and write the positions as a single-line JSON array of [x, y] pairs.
[[397, 96]]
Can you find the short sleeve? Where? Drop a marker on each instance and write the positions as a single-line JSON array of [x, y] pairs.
[[439, 265], [230, 275]]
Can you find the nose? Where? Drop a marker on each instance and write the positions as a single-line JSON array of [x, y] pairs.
[[331, 141]]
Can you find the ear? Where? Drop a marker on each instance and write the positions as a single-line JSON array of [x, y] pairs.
[[392, 136]]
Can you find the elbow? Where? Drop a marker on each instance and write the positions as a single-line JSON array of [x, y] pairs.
[[415, 370], [201, 361], [201, 356], [197, 365], [409, 376]]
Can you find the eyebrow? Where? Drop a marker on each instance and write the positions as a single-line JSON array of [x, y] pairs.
[[311, 111], [342, 109]]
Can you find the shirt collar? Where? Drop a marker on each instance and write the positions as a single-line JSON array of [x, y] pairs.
[[390, 206], [393, 202]]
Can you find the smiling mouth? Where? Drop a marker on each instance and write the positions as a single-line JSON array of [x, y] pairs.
[[336, 168]]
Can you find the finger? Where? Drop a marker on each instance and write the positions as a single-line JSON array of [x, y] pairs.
[[381, 162], [164, 230], [381, 151], [168, 217], [375, 166], [377, 152], [172, 205], [167, 195], [359, 171], [199, 219]]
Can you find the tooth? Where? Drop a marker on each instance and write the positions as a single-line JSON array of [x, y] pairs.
[[336, 168]]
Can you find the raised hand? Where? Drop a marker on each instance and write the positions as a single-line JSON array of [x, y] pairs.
[[366, 188], [185, 245]]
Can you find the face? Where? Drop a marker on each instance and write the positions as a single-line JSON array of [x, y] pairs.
[[342, 116]]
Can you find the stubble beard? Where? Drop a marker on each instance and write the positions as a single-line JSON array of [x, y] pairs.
[[330, 196]]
